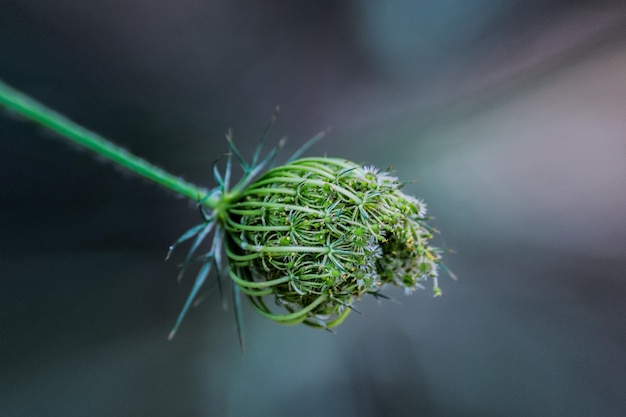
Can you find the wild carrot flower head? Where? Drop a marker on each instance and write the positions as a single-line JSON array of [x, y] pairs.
[[320, 232], [305, 240]]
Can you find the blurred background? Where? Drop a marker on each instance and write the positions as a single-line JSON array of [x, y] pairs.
[[509, 115]]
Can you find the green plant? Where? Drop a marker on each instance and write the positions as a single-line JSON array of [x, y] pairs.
[[313, 234]]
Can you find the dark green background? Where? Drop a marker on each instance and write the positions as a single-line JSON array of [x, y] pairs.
[[509, 114]]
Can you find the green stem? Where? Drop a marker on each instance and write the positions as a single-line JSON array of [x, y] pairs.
[[38, 113]]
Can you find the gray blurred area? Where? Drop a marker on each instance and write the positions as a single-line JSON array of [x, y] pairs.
[[510, 116]]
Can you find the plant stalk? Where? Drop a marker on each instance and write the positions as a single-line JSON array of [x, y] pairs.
[[25, 106]]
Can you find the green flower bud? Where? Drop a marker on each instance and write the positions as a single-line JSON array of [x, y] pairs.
[[312, 236], [366, 233]]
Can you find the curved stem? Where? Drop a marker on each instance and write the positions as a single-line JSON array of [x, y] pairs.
[[26, 107]]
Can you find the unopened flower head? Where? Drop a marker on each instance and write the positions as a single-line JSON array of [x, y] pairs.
[[311, 237], [324, 231]]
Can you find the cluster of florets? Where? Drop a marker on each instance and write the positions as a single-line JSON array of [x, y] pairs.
[[318, 233]]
